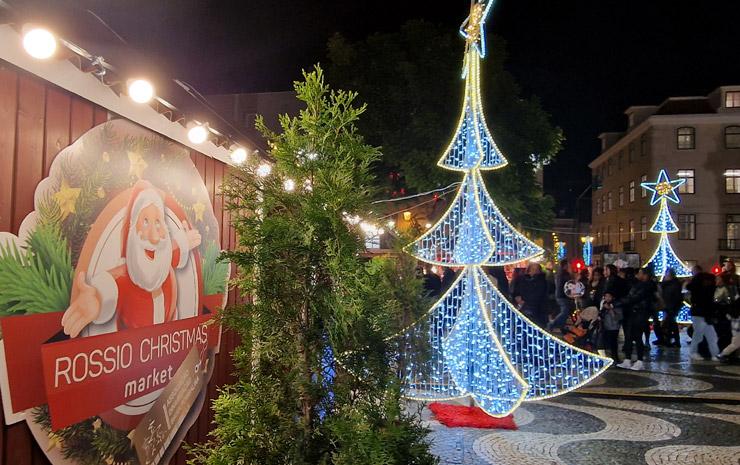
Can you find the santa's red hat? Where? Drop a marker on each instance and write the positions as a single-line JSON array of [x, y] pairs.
[[143, 194]]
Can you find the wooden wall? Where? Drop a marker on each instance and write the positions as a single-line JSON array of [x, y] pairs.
[[38, 120]]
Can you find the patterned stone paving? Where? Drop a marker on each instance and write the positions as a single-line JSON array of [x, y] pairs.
[[660, 428]]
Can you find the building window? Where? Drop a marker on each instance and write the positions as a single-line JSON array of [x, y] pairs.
[[620, 158], [732, 137], [609, 201], [687, 227], [621, 196], [603, 204], [610, 167], [632, 230], [643, 145], [685, 138], [632, 191], [643, 191], [621, 233], [732, 227], [688, 186], [598, 207], [732, 99], [608, 237], [631, 152], [732, 181], [643, 228]]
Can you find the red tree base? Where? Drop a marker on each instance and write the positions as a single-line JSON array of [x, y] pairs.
[[460, 416]]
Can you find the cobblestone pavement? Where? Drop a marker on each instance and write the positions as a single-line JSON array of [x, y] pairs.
[[652, 417]]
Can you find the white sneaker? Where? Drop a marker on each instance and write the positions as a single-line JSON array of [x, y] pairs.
[[697, 357], [716, 359], [637, 366], [626, 363]]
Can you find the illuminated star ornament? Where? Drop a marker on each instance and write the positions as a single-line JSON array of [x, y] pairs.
[[473, 343], [473, 29], [664, 257], [664, 188]]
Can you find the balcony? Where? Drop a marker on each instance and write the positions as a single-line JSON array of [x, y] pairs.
[[628, 246], [729, 244]]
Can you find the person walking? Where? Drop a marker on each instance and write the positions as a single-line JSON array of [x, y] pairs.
[[565, 304], [671, 292], [530, 294], [702, 287], [640, 302]]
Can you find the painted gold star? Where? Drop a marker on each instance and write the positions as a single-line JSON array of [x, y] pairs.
[[66, 198], [137, 164], [199, 208]]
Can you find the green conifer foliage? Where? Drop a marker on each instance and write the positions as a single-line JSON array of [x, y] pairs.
[[312, 295]]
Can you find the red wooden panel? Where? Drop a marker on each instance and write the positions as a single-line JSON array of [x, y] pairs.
[[218, 201], [18, 444], [81, 118], [58, 105], [100, 115], [30, 146], [210, 179], [201, 166], [8, 112]]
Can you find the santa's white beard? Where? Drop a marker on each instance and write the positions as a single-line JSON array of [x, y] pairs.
[[146, 273]]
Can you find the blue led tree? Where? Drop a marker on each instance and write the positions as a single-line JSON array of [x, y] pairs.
[[473, 343], [664, 191]]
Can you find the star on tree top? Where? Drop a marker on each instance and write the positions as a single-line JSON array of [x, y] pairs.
[[473, 28], [663, 188]]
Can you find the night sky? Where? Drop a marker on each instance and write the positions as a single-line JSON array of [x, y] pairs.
[[586, 60]]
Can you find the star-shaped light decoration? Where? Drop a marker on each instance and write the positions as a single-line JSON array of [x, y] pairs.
[[663, 188], [473, 29]]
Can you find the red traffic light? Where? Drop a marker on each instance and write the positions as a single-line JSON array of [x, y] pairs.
[[716, 269]]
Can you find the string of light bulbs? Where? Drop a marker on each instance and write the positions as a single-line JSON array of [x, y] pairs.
[[42, 44]]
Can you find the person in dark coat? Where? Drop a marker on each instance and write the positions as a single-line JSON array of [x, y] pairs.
[[500, 280], [530, 294], [432, 282], [565, 303], [597, 286], [448, 277], [702, 287], [670, 292], [639, 303], [614, 284]]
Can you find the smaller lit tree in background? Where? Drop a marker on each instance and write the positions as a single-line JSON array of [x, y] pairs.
[[664, 257]]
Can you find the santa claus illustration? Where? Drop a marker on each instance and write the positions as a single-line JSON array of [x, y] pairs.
[[141, 291]]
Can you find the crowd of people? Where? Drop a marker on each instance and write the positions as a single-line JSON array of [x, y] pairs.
[[611, 301]]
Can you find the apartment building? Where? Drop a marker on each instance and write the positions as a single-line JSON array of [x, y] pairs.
[[694, 138]]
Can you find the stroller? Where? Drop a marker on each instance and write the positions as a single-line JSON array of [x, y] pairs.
[[583, 330]]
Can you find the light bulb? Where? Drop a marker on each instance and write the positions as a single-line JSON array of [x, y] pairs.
[[289, 185], [239, 155], [391, 224], [307, 186], [264, 170], [140, 90], [39, 43], [428, 225], [197, 134]]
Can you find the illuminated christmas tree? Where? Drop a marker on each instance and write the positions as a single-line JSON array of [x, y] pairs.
[[473, 343], [664, 190]]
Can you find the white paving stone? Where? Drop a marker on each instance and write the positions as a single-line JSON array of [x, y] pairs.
[[693, 455]]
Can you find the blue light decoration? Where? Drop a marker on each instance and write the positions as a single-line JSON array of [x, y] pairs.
[[664, 190], [561, 250], [473, 343], [588, 250]]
